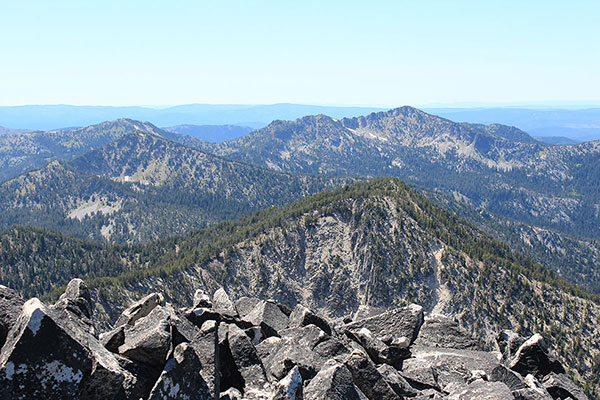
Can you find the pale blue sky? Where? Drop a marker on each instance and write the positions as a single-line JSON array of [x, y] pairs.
[[375, 53]]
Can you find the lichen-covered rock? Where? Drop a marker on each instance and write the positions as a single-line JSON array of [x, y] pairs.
[[140, 309], [333, 382], [180, 378], [46, 358], [441, 331], [289, 388], [393, 324]]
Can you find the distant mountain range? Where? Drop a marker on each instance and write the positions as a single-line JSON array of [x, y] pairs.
[[575, 124], [494, 167]]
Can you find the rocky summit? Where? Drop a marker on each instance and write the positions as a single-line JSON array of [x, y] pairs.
[[249, 348]]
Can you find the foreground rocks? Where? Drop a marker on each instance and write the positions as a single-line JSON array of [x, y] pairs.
[[256, 349]]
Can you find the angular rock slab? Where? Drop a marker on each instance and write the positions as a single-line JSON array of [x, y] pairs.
[[289, 388], [180, 378], [149, 340], [445, 366], [532, 358], [442, 331], [140, 309], [482, 390], [333, 382], [269, 317], [367, 378], [43, 358], [392, 325], [560, 386], [302, 316]]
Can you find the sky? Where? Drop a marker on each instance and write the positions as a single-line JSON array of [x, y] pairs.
[[369, 53]]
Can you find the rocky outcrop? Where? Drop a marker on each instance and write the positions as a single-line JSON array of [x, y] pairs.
[[254, 349]]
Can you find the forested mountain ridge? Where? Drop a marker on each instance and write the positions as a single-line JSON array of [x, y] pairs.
[[143, 187], [21, 152], [498, 168]]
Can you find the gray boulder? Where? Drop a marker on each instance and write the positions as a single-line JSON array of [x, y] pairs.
[[396, 381], [246, 361], [508, 343], [302, 316], [367, 378], [149, 340], [532, 358], [435, 368], [364, 311], [75, 305], [333, 382], [393, 325], [269, 317], [180, 378], [379, 352], [289, 388], [139, 309], [223, 304], [441, 331], [510, 378], [244, 305], [560, 386], [201, 299]]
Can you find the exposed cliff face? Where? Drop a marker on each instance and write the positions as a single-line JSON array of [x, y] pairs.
[[255, 349], [379, 244]]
